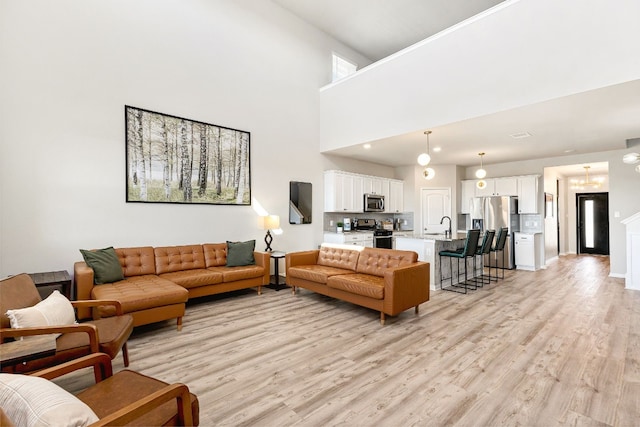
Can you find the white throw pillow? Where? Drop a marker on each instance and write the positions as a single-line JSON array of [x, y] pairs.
[[33, 401], [55, 310]]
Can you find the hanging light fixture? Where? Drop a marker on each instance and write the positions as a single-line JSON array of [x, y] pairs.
[[428, 173], [581, 184], [425, 158], [481, 173]]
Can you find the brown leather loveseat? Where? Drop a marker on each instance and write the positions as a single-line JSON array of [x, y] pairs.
[[159, 281], [389, 281]]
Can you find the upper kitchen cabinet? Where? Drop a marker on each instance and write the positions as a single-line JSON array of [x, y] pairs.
[[528, 194], [394, 200], [343, 191], [374, 184], [507, 186], [339, 192]]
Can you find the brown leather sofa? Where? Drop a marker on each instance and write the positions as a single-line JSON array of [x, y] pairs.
[[389, 281], [159, 281]]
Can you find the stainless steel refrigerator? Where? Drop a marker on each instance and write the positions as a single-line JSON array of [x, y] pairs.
[[493, 213]]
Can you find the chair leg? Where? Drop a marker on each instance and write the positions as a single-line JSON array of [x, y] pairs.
[[179, 323], [382, 318], [125, 355], [417, 309]]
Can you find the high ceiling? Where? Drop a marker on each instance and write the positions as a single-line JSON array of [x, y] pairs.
[[599, 120]]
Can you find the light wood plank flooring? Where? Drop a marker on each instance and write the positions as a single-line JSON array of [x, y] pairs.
[[559, 346]]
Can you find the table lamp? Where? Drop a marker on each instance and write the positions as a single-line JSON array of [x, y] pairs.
[[270, 222]]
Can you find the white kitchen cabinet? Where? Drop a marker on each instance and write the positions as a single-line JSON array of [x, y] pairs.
[[373, 184], [343, 192], [528, 194], [486, 191], [507, 186], [339, 192], [527, 251], [467, 192], [354, 238], [394, 201]]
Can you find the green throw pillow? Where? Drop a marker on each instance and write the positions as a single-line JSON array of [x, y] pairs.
[[105, 263], [240, 253]]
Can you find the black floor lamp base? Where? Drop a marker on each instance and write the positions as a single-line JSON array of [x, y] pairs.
[[268, 239]]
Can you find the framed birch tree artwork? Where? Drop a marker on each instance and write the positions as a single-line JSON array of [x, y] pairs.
[[176, 160]]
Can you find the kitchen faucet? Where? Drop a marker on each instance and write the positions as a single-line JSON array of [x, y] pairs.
[[447, 233]]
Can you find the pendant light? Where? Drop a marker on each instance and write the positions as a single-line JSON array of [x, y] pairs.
[[428, 173], [481, 173], [425, 158]]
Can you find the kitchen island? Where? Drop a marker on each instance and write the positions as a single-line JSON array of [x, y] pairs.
[[427, 246]]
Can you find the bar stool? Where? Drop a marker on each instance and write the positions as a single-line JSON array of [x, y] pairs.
[[469, 250], [501, 239], [483, 249]]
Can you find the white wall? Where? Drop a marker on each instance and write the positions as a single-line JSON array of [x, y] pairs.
[[68, 69], [505, 58]]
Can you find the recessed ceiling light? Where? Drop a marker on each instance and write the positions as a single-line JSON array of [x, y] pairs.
[[366, 146], [520, 135], [437, 149]]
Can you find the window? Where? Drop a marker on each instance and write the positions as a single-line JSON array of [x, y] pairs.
[[342, 68], [589, 224]]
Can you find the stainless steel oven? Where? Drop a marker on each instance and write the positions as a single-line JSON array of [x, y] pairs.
[[383, 239]]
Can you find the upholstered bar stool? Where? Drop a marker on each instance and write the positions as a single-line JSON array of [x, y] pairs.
[[501, 239], [468, 251], [483, 249]]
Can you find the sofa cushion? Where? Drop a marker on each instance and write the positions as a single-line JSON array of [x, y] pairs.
[[232, 274], [178, 258], [139, 293], [240, 253], [215, 254], [333, 256], [193, 278], [316, 273], [377, 261], [138, 261], [359, 284], [105, 264]]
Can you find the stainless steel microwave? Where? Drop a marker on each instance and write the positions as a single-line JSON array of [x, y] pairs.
[[373, 203]]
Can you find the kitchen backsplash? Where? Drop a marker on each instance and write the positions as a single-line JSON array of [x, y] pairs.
[[331, 219]]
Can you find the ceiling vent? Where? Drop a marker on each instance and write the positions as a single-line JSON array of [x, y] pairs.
[[520, 135]]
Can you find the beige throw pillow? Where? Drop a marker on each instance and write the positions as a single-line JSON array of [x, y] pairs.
[[34, 401], [55, 310]]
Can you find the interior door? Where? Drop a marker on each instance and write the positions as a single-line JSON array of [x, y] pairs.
[[435, 203], [593, 223]]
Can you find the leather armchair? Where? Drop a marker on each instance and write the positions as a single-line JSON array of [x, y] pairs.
[[130, 397], [107, 335]]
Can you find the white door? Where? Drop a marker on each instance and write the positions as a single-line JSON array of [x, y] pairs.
[[435, 204]]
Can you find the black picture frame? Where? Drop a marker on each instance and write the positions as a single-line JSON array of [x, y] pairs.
[[171, 159]]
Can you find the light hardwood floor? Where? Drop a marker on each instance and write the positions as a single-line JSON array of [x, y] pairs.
[[559, 346]]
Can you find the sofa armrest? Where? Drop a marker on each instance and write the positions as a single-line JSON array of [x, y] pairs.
[[83, 279], [301, 258], [263, 260], [406, 287]]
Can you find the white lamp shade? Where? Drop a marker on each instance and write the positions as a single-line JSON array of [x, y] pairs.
[[270, 222], [481, 173], [631, 158], [428, 173], [424, 159]]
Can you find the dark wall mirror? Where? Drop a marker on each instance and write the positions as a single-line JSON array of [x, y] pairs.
[[299, 202]]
